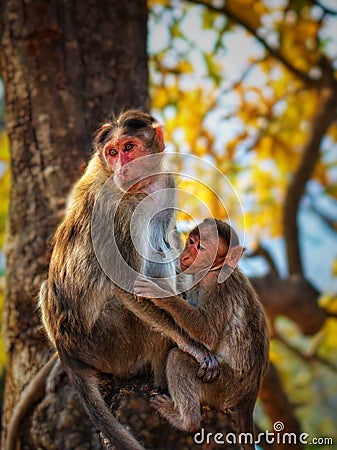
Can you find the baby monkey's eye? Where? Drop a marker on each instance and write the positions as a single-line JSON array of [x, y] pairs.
[[112, 152], [128, 146]]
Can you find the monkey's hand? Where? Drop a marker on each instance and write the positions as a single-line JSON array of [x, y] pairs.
[[146, 288], [209, 368]]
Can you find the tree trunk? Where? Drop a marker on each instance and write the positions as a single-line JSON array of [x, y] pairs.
[[66, 66]]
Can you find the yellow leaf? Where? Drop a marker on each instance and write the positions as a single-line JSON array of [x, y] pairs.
[[329, 301]]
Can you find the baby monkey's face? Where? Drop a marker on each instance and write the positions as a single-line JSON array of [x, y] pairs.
[[204, 250]]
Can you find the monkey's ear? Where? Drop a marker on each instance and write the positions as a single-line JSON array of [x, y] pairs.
[[102, 133], [233, 256], [160, 135]]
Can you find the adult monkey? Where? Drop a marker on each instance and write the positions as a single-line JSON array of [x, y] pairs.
[[95, 325]]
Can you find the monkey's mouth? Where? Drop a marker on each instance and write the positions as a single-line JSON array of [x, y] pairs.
[[137, 184], [128, 184], [183, 267]]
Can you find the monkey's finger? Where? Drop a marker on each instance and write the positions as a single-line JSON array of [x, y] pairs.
[[149, 290], [140, 289], [209, 370], [143, 293], [211, 375], [142, 281], [202, 369]]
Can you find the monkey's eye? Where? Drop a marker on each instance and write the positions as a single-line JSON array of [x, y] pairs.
[[199, 247], [128, 146], [191, 241], [112, 152]]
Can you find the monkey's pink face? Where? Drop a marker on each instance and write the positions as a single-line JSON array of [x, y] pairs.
[[202, 252], [119, 153]]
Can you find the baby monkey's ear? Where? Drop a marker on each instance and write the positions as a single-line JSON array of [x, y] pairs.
[[233, 256]]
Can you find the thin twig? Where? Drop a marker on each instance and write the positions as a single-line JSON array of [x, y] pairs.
[[303, 356]]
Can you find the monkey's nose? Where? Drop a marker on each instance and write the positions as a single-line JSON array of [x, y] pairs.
[[184, 261]]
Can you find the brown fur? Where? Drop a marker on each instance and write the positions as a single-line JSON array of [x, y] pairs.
[[96, 326], [229, 320]]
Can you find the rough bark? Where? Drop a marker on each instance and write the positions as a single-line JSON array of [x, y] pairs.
[[129, 401], [66, 66]]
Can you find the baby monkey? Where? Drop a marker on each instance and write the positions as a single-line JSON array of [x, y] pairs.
[[223, 313]]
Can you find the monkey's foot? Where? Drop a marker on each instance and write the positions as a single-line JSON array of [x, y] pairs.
[[162, 403], [233, 416], [165, 407]]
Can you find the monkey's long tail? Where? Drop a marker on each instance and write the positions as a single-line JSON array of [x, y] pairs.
[[30, 395], [85, 381]]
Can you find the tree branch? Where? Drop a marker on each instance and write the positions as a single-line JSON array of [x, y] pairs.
[[273, 51], [326, 10], [325, 116], [306, 358], [288, 296], [262, 251], [277, 405]]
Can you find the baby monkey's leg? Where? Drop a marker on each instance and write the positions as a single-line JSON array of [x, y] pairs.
[[182, 409]]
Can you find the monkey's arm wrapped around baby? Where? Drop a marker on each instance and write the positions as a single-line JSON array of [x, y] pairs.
[[186, 316]]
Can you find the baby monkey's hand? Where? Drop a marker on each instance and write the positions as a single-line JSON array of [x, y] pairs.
[[153, 290]]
